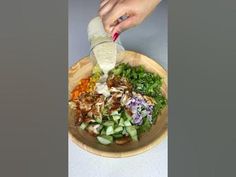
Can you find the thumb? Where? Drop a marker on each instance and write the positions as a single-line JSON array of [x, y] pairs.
[[124, 25]]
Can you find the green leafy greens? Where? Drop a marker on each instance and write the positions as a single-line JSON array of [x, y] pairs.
[[146, 83]]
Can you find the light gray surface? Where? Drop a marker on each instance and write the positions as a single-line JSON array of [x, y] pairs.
[[150, 38]]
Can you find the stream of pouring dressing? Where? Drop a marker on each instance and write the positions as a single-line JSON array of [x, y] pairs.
[[105, 53]]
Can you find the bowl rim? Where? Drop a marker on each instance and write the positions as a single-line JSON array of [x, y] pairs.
[[139, 150], [130, 153]]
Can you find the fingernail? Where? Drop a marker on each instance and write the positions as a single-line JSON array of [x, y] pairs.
[[115, 36]]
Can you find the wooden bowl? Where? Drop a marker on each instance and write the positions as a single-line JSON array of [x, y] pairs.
[[82, 69]]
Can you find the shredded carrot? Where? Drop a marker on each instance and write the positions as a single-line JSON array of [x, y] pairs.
[[80, 88], [85, 85]]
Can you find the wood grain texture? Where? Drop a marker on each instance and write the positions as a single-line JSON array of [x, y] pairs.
[[82, 69]]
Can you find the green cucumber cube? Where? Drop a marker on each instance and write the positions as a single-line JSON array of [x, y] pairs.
[[114, 113], [116, 117], [124, 132], [127, 123], [132, 132], [108, 123], [121, 122], [83, 125], [109, 130], [103, 132], [98, 120], [105, 139], [118, 129]]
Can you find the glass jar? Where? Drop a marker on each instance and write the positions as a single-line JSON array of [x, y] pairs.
[[97, 37], [119, 50]]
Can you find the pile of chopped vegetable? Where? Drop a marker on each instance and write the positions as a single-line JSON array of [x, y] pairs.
[[134, 103], [145, 83], [80, 88], [87, 84]]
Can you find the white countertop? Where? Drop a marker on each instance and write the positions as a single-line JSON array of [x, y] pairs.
[[150, 38], [152, 163]]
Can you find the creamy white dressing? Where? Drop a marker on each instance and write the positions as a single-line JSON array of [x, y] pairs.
[[105, 52], [105, 55], [102, 88]]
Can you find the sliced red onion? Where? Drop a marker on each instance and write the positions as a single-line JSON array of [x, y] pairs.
[[140, 109]]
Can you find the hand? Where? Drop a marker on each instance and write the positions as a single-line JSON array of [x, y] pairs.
[[137, 10]]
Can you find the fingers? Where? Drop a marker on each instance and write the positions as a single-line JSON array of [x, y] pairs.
[[124, 25], [103, 2], [110, 13], [106, 6], [110, 19]]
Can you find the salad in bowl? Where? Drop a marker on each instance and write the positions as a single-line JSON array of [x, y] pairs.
[[131, 108]]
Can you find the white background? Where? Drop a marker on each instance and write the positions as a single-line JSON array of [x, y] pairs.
[[150, 38]]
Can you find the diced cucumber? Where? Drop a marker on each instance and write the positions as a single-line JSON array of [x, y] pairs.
[[127, 123], [114, 113], [105, 139], [98, 120], [83, 125], [121, 122], [118, 129], [116, 117], [134, 138], [99, 128], [132, 132], [124, 132], [117, 135], [108, 123], [109, 130], [103, 132]]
